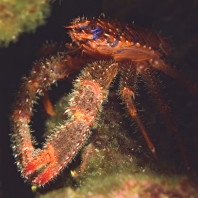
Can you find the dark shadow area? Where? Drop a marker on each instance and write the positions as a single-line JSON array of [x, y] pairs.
[[176, 20]]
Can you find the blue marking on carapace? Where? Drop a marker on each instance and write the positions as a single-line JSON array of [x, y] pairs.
[[96, 32], [134, 40], [95, 37]]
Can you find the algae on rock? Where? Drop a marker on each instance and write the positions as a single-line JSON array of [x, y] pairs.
[[17, 17], [113, 164]]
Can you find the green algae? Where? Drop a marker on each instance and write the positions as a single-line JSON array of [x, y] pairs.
[[17, 17], [110, 168]]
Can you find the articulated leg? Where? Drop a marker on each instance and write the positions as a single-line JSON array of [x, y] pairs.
[[43, 74], [51, 48], [40, 166], [68, 61], [148, 75], [127, 91], [176, 74]]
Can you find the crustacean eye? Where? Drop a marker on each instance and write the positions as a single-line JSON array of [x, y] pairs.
[[95, 29]]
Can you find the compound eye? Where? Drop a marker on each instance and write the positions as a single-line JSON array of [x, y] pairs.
[[95, 29], [92, 27]]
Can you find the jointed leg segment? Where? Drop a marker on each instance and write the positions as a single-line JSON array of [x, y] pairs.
[[176, 74], [127, 89], [153, 85], [40, 166]]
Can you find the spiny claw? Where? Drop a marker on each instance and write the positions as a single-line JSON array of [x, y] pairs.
[[50, 172], [41, 169]]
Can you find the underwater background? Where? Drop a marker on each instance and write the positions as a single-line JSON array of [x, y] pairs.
[[119, 163]]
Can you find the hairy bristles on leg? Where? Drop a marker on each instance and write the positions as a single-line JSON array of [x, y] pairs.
[[43, 74], [127, 92], [153, 85], [61, 147]]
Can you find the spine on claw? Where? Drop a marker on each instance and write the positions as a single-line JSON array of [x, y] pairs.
[[90, 89], [40, 166], [43, 74]]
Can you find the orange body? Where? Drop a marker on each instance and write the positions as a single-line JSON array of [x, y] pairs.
[[109, 47]]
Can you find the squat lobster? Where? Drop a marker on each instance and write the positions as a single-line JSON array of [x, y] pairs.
[[107, 47]]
